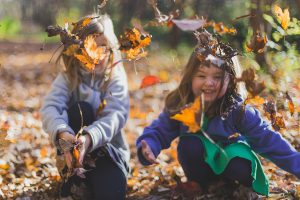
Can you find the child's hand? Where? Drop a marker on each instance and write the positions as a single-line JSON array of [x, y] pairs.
[[147, 153], [69, 138], [85, 142]]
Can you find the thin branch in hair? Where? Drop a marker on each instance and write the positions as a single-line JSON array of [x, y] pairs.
[[55, 52], [81, 115]]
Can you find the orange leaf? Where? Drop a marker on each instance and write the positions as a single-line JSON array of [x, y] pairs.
[[132, 43], [290, 103], [76, 153], [257, 44], [257, 101], [282, 16], [91, 53], [101, 106], [278, 123], [149, 80], [220, 28], [86, 21], [86, 60], [188, 116], [71, 50]]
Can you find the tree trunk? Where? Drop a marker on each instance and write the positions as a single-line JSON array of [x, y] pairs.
[[258, 24]]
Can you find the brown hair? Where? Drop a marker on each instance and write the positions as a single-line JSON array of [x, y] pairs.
[[183, 94]]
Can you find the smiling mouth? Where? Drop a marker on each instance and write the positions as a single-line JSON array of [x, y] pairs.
[[208, 91]]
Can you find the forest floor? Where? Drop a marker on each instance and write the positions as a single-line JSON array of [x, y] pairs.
[[27, 161]]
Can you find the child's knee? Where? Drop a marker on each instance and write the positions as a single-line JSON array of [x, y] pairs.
[[239, 169], [190, 149]]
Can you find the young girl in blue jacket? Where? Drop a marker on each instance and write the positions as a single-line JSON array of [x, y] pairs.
[[76, 101], [237, 131]]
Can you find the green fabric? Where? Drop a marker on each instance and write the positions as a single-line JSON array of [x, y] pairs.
[[218, 158]]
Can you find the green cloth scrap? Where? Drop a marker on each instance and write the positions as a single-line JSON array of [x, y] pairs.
[[218, 158]]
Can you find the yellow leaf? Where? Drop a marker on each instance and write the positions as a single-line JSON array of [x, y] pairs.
[[96, 53], [101, 106], [86, 60], [145, 42], [71, 50], [86, 22], [188, 115], [132, 43], [257, 101], [282, 16], [91, 53]]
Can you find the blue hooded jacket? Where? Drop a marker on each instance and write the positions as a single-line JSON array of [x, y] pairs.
[[250, 125]]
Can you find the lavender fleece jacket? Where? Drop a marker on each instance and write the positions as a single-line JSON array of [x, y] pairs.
[[108, 125], [253, 129]]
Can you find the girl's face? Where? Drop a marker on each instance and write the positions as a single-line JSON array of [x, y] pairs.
[[207, 80]]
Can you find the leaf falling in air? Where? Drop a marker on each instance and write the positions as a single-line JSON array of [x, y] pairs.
[[91, 53], [291, 105], [256, 101], [253, 86], [189, 24], [257, 44], [220, 28], [133, 42], [80, 25], [282, 16], [191, 116], [160, 18], [277, 121]]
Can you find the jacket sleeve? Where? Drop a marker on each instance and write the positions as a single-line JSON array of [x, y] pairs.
[[113, 117], [268, 143], [158, 135], [54, 109]]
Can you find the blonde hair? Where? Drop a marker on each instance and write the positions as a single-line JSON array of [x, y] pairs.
[[183, 94], [99, 24]]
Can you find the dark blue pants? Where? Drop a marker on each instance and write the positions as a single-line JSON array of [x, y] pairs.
[[191, 157], [106, 181]]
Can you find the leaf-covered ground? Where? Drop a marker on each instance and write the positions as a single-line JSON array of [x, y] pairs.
[[27, 162]]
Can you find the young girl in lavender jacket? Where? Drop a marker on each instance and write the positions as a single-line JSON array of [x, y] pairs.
[[76, 101], [211, 71]]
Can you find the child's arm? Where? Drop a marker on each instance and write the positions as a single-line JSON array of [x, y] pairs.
[[158, 136], [114, 115], [54, 109], [269, 143]]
